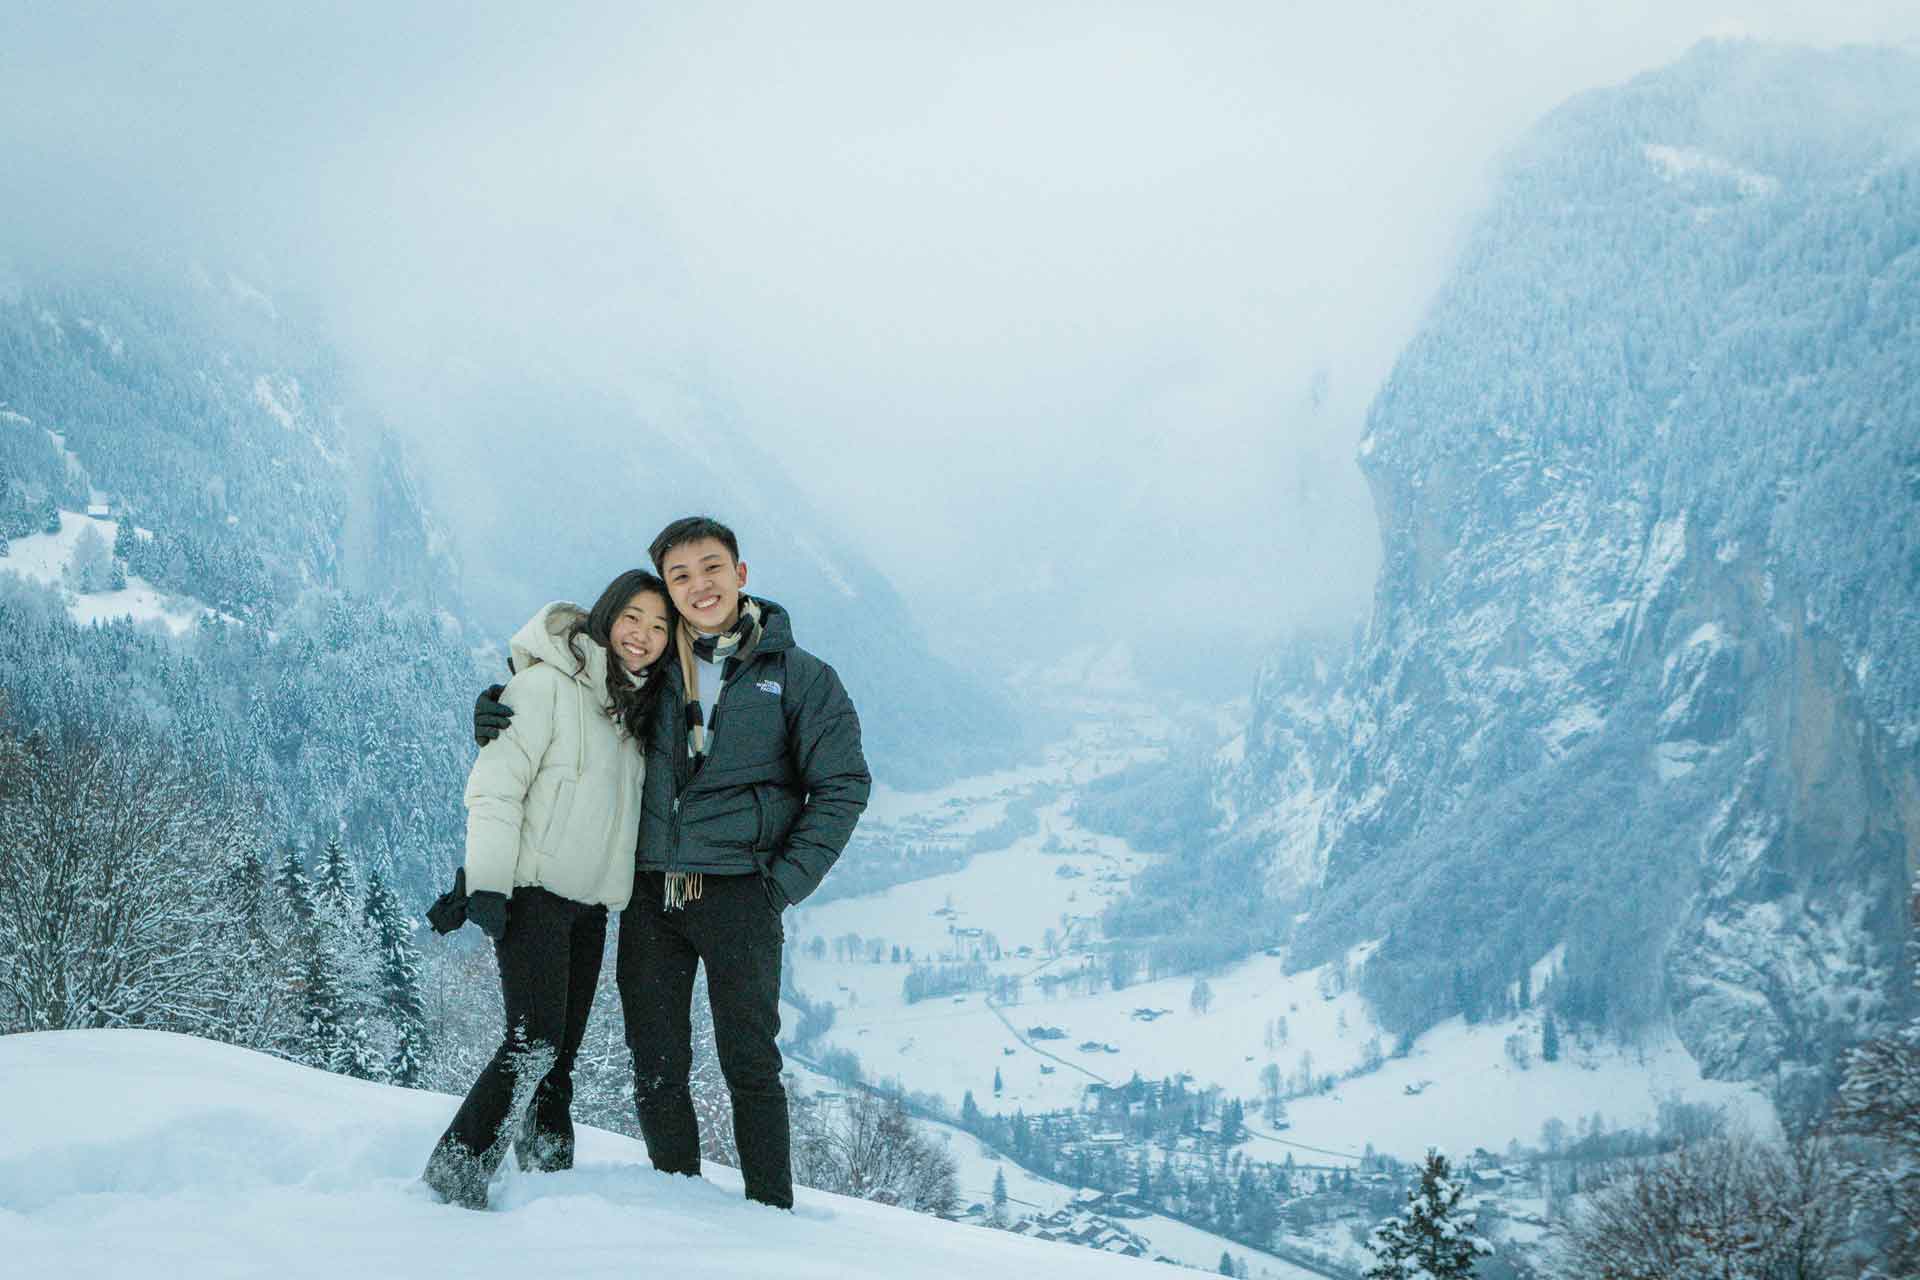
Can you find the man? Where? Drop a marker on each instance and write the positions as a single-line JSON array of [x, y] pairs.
[[755, 781]]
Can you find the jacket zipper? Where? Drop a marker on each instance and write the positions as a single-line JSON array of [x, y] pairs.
[[673, 842]]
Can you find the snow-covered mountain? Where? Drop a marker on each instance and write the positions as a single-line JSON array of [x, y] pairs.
[[1640, 677], [182, 450], [224, 1162], [184, 463]]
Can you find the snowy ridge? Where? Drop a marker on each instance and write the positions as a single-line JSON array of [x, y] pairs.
[[226, 1163]]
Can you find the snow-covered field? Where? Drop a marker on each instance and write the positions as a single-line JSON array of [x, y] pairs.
[[43, 557], [148, 1155]]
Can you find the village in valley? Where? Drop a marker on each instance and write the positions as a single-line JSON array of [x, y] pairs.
[[1246, 1113]]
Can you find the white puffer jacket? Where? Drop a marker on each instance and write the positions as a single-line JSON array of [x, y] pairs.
[[555, 800]]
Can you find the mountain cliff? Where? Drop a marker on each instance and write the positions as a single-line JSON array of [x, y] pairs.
[[1640, 677]]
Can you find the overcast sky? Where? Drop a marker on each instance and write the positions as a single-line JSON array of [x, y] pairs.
[[1077, 307]]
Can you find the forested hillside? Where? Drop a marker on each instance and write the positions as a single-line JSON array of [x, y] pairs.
[[322, 668], [1640, 678]]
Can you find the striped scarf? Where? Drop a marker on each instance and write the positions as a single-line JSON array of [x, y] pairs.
[[737, 643]]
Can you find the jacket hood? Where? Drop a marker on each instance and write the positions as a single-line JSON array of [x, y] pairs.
[[544, 639]]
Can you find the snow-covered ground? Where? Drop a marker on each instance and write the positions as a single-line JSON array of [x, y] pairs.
[[43, 557], [147, 1155]]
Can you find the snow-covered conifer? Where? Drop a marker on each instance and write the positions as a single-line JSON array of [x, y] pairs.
[[336, 887], [1879, 1100], [391, 934], [354, 1052], [1433, 1238], [321, 1010], [296, 891]]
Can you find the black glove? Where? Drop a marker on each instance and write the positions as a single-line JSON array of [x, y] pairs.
[[488, 910], [449, 910], [490, 715]]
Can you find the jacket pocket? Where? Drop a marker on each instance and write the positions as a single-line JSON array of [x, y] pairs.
[[554, 828], [760, 840]]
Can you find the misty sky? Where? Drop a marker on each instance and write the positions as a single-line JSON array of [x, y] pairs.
[[1070, 308]]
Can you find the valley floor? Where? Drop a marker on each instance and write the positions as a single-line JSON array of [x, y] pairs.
[[1031, 911]]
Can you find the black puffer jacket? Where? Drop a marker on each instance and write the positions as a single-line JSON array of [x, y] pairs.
[[783, 784]]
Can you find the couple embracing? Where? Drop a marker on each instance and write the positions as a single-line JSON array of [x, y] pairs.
[[679, 707]]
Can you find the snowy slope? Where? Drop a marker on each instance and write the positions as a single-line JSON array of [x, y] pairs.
[[43, 557], [141, 1154]]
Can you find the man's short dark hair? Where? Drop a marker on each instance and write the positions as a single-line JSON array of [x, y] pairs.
[[691, 529]]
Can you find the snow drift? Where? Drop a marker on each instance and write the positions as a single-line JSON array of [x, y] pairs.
[[147, 1154]]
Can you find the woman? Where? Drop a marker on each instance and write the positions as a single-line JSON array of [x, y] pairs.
[[552, 807]]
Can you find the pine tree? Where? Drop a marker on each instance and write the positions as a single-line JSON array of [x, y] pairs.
[[335, 887], [348, 1040], [1226, 1263], [399, 978], [1233, 1122], [969, 1113], [296, 892], [1433, 1238], [1549, 1040], [997, 1084], [321, 1015], [354, 1052], [998, 1217]]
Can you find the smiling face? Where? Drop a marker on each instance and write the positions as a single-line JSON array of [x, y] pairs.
[[639, 634], [705, 581]]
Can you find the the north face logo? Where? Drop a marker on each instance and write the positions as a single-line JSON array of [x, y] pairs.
[[769, 686]]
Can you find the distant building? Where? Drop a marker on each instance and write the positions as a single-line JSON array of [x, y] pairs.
[[1077, 1224]]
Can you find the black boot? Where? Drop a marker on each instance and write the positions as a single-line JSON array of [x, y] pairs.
[[541, 1149], [672, 1134], [456, 1175]]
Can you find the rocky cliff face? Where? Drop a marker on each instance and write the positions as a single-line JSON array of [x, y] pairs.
[[1643, 670]]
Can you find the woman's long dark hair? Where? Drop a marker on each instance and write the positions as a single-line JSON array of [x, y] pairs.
[[630, 703]]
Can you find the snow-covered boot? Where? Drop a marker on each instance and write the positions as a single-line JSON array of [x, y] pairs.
[[456, 1176], [537, 1151]]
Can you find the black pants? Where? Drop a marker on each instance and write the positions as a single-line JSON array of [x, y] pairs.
[[734, 929], [549, 964]]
